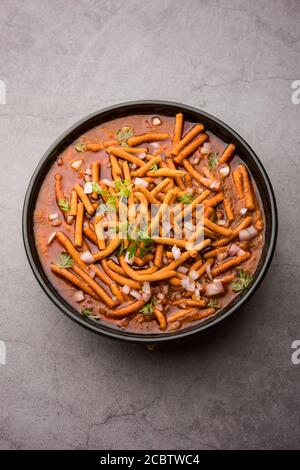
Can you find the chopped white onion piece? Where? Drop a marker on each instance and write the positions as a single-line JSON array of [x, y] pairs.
[[165, 288], [182, 269], [243, 210], [51, 238], [146, 296], [55, 223], [206, 148], [155, 145], [197, 293], [165, 260], [92, 273], [87, 257], [140, 182], [88, 188], [128, 258], [159, 307], [53, 216], [241, 252], [214, 288], [126, 289], [156, 121], [193, 274], [160, 296], [70, 219], [248, 233], [221, 256], [224, 171], [136, 294], [108, 182], [76, 164], [88, 171], [142, 155], [221, 222], [195, 160], [176, 252], [190, 190], [233, 249], [188, 284], [208, 271], [214, 185], [79, 296], [146, 288], [133, 166]]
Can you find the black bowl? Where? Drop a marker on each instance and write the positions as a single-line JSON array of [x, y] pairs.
[[164, 108]]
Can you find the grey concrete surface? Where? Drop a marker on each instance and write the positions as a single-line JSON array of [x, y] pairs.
[[231, 387]]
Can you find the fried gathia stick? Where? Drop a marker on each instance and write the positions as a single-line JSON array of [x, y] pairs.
[[187, 138], [126, 156], [166, 172], [58, 188], [149, 137], [217, 228], [230, 264], [123, 281], [127, 310], [228, 209], [227, 154], [191, 148], [69, 276], [150, 197], [95, 167], [238, 183], [197, 176], [178, 127], [73, 203], [234, 233], [179, 314], [199, 315], [247, 188], [116, 171], [143, 170], [160, 318], [70, 248], [90, 234], [79, 225], [111, 247], [178, 179], [95, 286], [157, 276], [212, 202], [84, 198]]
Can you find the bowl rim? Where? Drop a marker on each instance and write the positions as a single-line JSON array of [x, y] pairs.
[[124, 335]]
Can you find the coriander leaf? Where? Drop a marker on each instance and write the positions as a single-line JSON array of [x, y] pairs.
[[214, 303], [81, 147], [186, 198], [154, 167], [147, 309], [123, 135], [213, 160], [87, 311], [112, 200], [123, 188], [242, 280], [120, 250], [64, 205], [140, 247], [64, 261]]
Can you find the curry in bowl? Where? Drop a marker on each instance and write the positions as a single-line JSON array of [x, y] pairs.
[[150, 283]]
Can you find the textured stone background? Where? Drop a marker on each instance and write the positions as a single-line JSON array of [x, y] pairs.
[[232, 387]]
